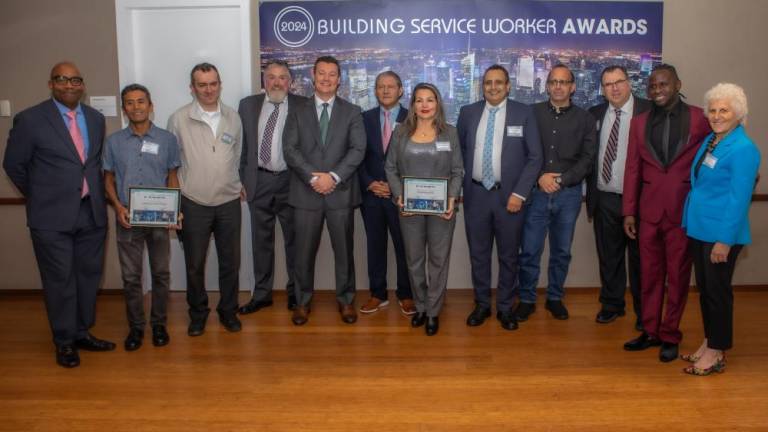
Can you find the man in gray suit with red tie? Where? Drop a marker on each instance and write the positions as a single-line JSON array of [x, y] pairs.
[[53, 157], [323, 144], [502, 154]]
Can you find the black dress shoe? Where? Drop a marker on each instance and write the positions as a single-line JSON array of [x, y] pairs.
[[433, 324], [160, 336], [606, 316], [231, 323], [196, 328], [291, 302], [507, 320], [67, 356], [92, 343], [134, 339], [253, 306], [641, 342], [668, 352], [557, 309], [419, 319], [478, 316], [524, 310]]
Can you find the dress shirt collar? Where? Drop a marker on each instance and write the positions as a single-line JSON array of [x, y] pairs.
[[500, 106]]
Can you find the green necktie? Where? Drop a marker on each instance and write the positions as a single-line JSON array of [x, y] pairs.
[[324, 122]]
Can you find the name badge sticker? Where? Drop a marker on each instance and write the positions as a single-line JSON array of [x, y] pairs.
[[710, 161], [515, 131], [443, 146], [150, 147], [227, 138]]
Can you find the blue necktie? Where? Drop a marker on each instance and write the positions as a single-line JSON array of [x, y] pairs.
[[488, 180]]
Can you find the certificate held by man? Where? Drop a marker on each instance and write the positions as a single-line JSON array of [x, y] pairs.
[[425, 195], [153, 207]]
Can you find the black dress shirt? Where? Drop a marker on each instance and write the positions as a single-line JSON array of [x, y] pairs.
[[569, 140], [658, 118]]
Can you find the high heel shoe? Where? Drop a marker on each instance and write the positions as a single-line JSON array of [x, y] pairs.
[[419, 319], [691, 358], [718, 367], [433, 324]]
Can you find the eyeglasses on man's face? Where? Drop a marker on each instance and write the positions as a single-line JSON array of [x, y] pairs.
[[63, 80]]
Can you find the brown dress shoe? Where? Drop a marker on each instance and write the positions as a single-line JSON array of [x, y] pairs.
[[348, 314], [407, 307], [300, 315], [373, 305]]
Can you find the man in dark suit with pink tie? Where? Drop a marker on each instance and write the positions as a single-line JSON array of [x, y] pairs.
[[662, 144], [380, 214], [53, 157]]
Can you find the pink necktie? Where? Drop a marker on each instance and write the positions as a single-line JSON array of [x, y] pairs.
[[77, 138], [386, 134]]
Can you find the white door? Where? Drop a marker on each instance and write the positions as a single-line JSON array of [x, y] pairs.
[[159, 41]]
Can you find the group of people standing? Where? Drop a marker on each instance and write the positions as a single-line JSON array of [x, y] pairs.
[[667, 185]]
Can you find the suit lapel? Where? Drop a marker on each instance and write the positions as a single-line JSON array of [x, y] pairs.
[[378, 144], [477, 114], [648, 145], [685, 129], [57, 122], [333, 122], [93, 138]]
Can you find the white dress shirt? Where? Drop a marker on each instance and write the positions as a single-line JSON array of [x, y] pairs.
[[616, 185], [277, 162]]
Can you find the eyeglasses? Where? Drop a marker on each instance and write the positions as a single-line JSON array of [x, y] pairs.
[[61, 80], [614, 84], [562, 83]]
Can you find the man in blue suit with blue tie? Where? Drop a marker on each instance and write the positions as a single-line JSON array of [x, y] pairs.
[[53, 157], [379, 212], [502, 154]]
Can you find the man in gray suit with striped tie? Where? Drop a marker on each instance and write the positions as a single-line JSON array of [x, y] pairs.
[[323, 144]]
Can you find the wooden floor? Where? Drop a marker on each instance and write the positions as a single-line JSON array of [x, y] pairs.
[[379, 374]]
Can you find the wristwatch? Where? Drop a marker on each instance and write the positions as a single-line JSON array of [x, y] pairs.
[[559, 180]]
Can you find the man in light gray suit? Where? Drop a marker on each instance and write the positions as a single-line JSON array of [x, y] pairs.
[[265, 177], [323, 144]]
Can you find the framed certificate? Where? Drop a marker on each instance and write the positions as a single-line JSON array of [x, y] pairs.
[[153, 207], [425, 195]]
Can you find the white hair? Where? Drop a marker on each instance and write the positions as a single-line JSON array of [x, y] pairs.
[[731, 93]]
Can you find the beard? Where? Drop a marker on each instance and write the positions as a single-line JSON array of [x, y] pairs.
[[276, 95]]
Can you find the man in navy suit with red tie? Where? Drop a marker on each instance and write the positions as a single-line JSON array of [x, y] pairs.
[[502, 153], [53, 157], [379, 212]]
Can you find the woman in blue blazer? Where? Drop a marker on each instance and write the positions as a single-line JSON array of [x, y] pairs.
[[716, 219]]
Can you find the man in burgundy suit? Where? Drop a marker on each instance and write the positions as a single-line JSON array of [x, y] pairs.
[[662, 144]]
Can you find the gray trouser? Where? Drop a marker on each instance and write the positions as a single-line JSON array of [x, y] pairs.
[[130, 248], [422, 236]]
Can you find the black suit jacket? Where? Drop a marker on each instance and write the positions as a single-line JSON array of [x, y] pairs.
[[42, 161], [372, 168], [250, 110], [598, 112]]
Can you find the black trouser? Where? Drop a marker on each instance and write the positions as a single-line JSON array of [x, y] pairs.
[[715, 293], [612, 247], [223, 221], [71, 265]]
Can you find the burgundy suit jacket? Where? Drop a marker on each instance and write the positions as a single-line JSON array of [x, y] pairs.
[[652, 190]]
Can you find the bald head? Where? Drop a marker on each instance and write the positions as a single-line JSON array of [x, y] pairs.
[[66, 84]]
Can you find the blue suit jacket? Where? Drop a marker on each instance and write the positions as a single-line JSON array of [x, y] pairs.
[[521, 157], [372, 168], [41, 160], [717, 208]]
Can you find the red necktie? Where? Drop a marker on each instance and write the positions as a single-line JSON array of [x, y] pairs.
[[77, 138]]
